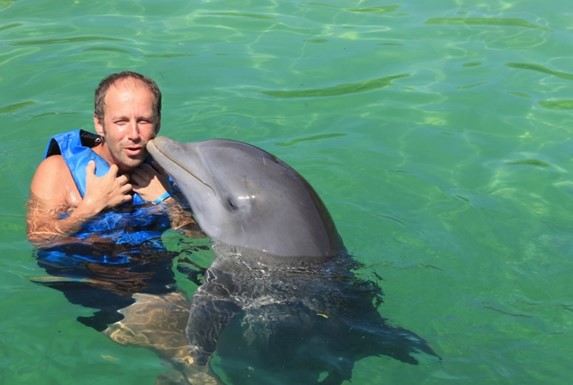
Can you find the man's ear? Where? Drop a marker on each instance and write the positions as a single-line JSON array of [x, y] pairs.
[[98, 126]]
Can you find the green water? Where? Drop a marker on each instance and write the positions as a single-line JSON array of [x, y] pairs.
[[437, 132]]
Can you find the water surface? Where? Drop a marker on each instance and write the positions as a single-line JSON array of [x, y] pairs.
[[438, 133]]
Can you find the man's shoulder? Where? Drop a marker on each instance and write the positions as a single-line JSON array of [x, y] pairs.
[[52, 180], [52, 161], [53, 168]]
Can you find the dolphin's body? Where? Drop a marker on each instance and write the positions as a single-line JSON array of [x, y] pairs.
[[281, 296]]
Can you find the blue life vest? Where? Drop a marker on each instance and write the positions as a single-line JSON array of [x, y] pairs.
[[76, 149], [135, 224]]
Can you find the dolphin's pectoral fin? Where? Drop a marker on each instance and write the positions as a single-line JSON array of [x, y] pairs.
[[207, 319], [401, 344]]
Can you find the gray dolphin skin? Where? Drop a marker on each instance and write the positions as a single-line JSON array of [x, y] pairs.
[[282, 297], [243, 196]]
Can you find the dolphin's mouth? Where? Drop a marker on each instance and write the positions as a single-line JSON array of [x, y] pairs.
[[153, 148]]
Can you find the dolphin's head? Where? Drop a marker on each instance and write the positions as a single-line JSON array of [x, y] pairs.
[[245, 197]]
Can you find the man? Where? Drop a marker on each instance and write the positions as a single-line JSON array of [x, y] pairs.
[[98, 205], [97, 209], [65, 193]]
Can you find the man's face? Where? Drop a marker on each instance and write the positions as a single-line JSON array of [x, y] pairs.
[[128, 123]]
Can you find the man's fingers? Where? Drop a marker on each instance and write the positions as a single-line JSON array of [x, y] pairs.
[[113, 170], [122, 179], [90, 168], [126, 188]]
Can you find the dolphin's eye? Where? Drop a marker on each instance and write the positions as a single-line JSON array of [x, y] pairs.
[[241, 202], [231, 204]]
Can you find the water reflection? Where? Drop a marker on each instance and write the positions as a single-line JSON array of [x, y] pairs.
[[105, 275]]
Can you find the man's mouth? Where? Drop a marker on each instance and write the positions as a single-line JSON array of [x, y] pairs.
[[134, 151]]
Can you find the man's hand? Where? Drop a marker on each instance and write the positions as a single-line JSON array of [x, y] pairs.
[[104, 192], [150, 181]]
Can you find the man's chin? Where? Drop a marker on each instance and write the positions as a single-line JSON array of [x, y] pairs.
[[130, 164]]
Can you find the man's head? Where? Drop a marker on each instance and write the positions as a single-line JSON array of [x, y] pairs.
[[105, 84], [127, 115]]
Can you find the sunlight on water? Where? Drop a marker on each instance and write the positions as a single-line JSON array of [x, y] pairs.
[[437, 133]]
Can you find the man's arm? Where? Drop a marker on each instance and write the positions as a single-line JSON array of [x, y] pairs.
[[53, 193]]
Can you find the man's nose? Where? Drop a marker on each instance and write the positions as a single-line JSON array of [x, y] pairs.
[[133, 130]]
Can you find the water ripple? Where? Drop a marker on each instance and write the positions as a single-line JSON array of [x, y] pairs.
[[542, 69], [380, 9], [9, 26], [529, 162], [484, 21], [242, 14], [16, 106], [71, 39], [341, 89], [108, 49], [557, 104], [309, 138]]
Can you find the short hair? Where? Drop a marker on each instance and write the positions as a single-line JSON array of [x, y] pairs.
[[103, 87]]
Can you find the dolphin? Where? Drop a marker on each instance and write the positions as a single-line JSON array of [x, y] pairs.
[[282, 297]]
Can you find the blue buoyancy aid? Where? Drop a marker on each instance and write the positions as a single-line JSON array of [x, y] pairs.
[[76, 149], [130, 224]]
